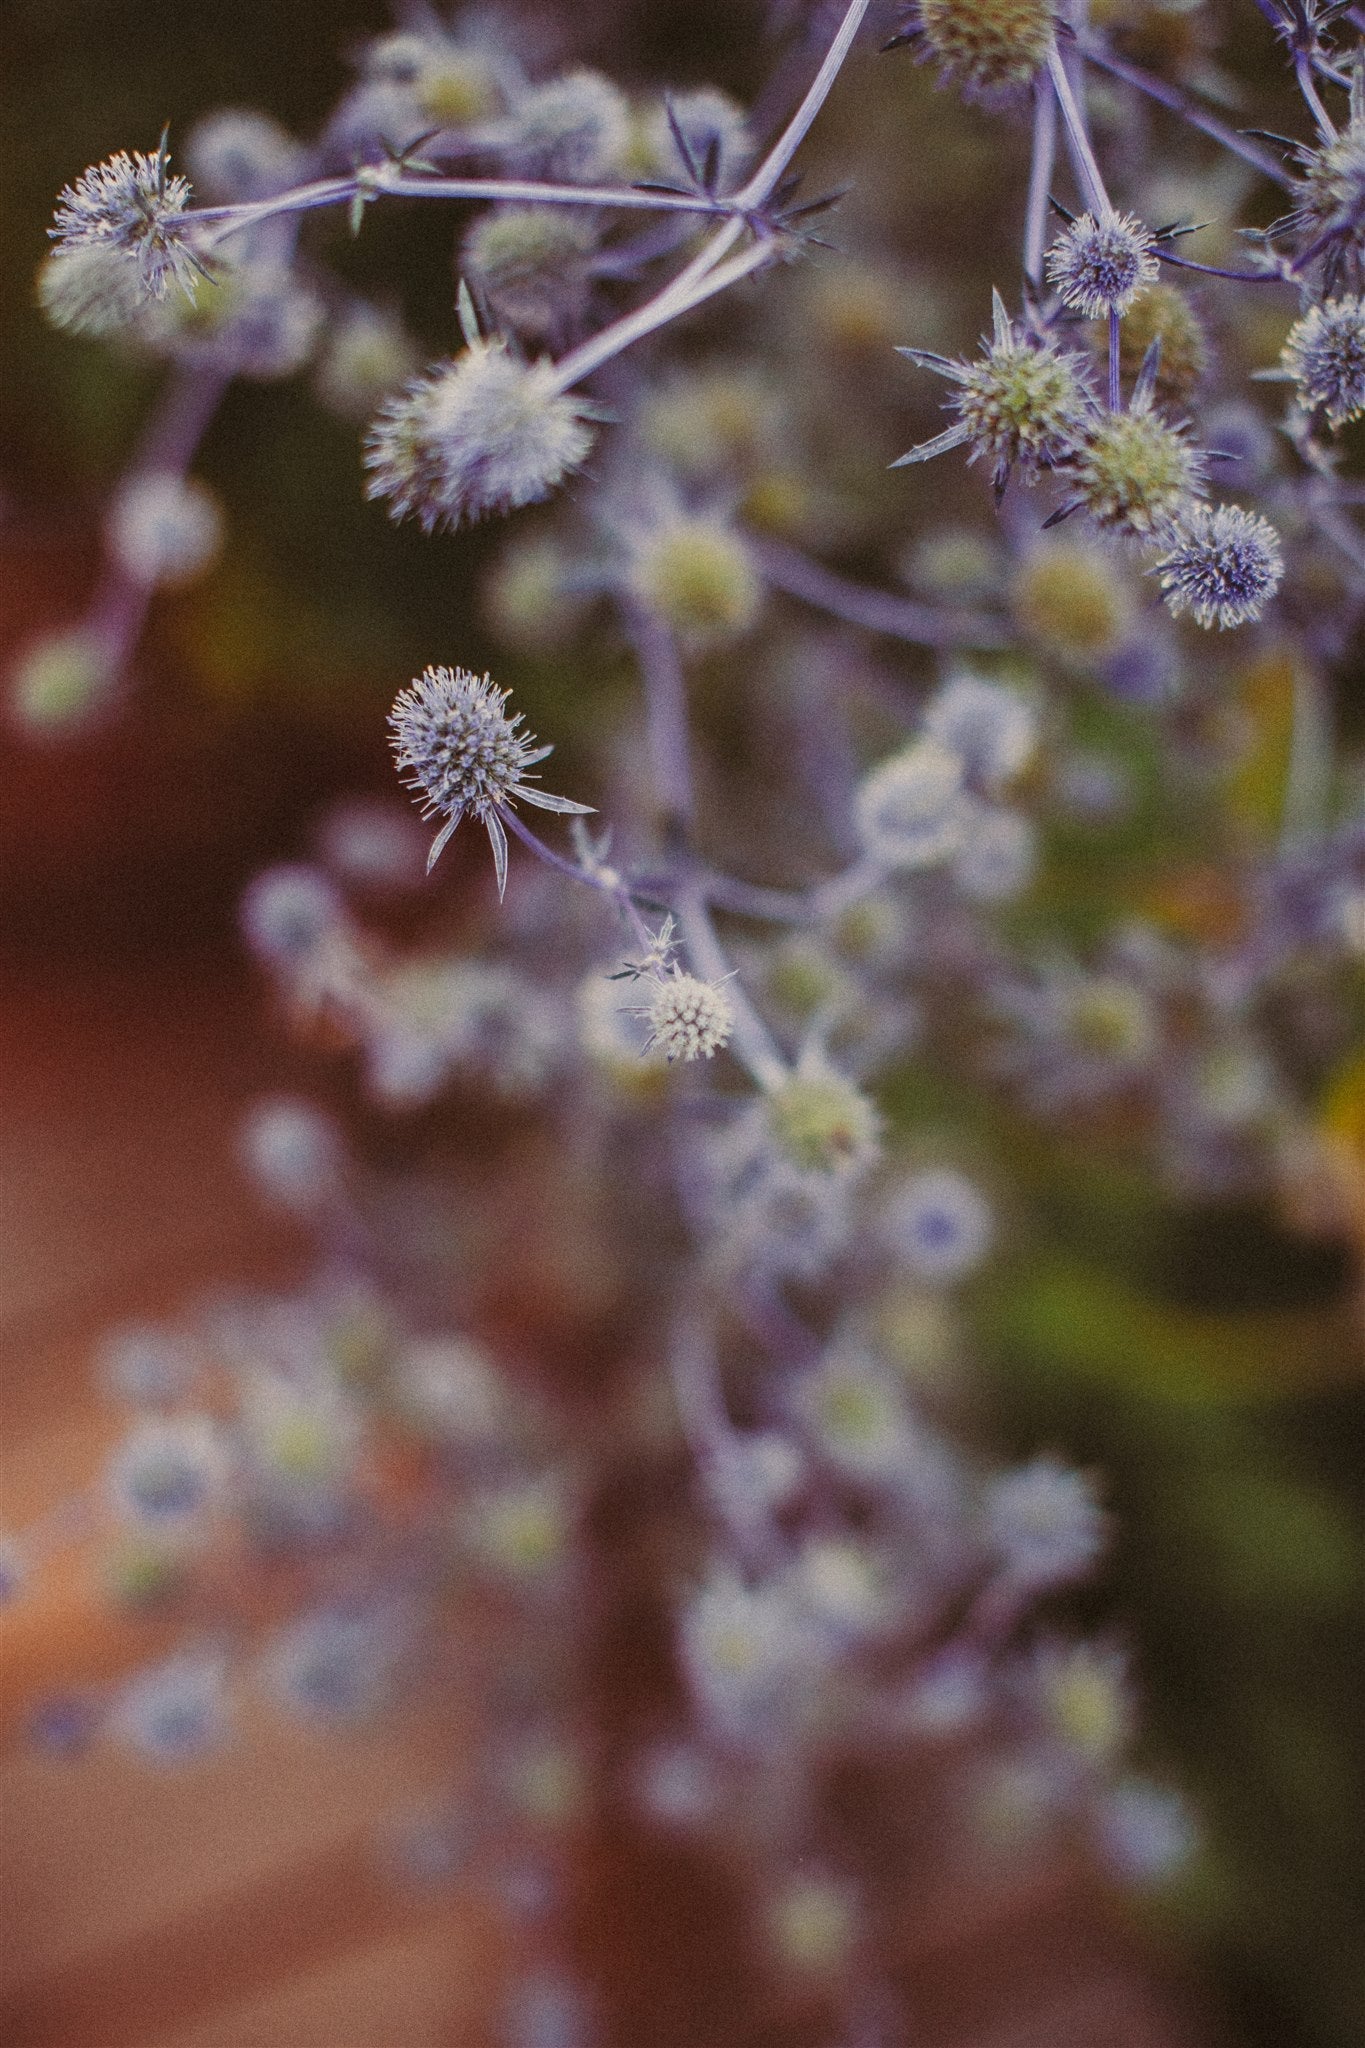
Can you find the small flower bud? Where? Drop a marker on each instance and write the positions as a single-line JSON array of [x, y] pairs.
[[697, 576], [1135, 472], [688, 1019], [164, 530], [910, 811]]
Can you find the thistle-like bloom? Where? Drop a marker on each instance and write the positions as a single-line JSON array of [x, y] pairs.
[[1100, 266], [1223, 565], [689, 1019], [481, 434], [991, 48], [1136, 472], [1329, 218], [132, 205], [451, 730], [1325, 355], [1023, 402]]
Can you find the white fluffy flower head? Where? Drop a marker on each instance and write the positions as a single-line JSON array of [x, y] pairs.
[[452, 732], [481, 434], [689, 1019]]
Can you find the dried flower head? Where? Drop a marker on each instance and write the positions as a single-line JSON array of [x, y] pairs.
[[1136, 471], [1329, 217], [1021, 402], [1223, 565], [1325, 355], [133, 207], [452, 731], [480, 434], [1099, 266], [991, 48], [689, 1019]]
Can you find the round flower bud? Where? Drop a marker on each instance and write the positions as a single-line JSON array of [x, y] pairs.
[[175, 1711], [530, 598], [990, 729], [1083, 1693], [1145, 1831], [910, 811], [92, 289], [365, 355], [998, 855], [1073, 600], [481, 434], [820, 1122], [237, 155], [292, 1152], [1224, 564], [1162, 312], [572, 130], [712, 125], [991, 48], [531, 263], [1045, 1523], [940, 1225], [288, 912], [1325, 355], [1099, 266], [697, 576], [167, 1472], [59, 684], [688, 1019], [1135, 472], [813, 1926], [164, 530]]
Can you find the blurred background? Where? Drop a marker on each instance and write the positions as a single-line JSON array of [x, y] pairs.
[[1207, 1360]]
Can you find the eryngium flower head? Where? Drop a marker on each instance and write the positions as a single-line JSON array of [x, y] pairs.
[[131, 205], [909, 809], [1224, 564], [991, 48], [1022, 401], [481, 434], [1099, 266], [1136, 472], [1330, 214], [688, 1019], [1325, 355], [451, 730]]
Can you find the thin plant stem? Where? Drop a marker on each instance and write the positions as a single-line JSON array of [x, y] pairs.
[[1183, 104], [753, 1041], [878, 611], [605, 880], [1303, 71], [1082, 155], [1041, 164], [1115, 344], [665, 692]]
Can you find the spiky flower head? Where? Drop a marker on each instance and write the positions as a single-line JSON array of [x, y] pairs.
[[481, 434], [990, 48], [1325, 355], [1021, 402], [1100, 266], [688, 1019], [133, 206], [1136, 471], [1329, 217], [1224, 564], [452, 732]]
